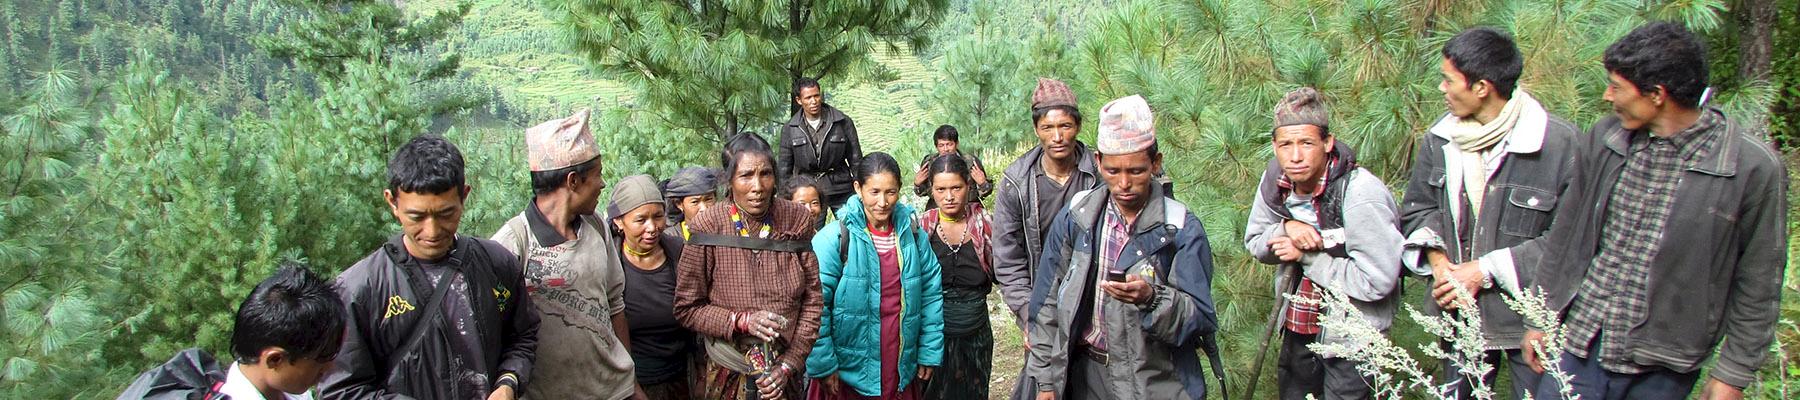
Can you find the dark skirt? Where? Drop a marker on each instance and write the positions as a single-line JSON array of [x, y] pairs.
[[968, 348]]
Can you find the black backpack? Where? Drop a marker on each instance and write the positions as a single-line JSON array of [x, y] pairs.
[[191, 374]]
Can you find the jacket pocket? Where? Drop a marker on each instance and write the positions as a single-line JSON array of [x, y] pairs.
[[1527, 211]]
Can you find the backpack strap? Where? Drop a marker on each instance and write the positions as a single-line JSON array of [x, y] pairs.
[[735, 241], [843, 243], [521, 239], [1210, 344], [216, 392], [416, 333]]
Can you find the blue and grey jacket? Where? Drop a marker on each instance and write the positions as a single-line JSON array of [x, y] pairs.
[[1154, 348]]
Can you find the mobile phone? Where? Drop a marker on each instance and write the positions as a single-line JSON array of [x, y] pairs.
[[1115, 275]]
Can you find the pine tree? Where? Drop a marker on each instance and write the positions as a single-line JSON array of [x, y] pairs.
[[982, 87], [192, 199], [53, 329], [721, 67]]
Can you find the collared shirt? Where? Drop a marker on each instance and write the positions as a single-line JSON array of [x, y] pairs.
[[238, 387], [540, 227], [1616, 294], [578, 285]]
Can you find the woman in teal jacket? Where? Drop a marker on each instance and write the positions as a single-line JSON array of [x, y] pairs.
[[883, 300]]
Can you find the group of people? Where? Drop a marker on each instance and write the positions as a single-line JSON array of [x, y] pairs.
[[1657, 236]]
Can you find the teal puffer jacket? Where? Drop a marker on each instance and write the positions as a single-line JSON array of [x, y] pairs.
[[849, 341]]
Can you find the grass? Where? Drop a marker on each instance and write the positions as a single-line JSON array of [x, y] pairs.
[[1009, 348]]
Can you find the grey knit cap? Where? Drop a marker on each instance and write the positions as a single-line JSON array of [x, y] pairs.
[[632, 192], [692, 181], [1303, 106]]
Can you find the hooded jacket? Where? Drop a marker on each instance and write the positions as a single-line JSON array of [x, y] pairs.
[[1363, 265], [849, 341]]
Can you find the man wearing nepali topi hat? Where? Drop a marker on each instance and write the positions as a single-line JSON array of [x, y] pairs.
[[1031, 191], [570, 268], [1124, 302], [1326, 225]]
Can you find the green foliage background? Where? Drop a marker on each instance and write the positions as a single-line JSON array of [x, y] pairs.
[[159, 157]]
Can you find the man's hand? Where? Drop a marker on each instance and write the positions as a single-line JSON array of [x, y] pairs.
[[503, 392], [762, 324], [1133, 290], [1284, 249], [1719, 390], [1468, 275], [770, 385], [1437, 259], [1046, 396], [976, 173], [1303, 235], [1533, 340], [638, 394], [924, 373]]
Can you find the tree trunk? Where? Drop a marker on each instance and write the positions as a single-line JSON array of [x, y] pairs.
[[796, 24], [1756, 38]]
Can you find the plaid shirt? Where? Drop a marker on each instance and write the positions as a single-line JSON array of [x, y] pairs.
[[713, 282], [1115, 235], [1616, 294], [1302, 317]]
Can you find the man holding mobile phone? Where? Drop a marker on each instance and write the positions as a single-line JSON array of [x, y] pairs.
[[1136, 335]]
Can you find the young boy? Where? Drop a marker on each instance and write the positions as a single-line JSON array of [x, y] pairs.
[[286, 338]]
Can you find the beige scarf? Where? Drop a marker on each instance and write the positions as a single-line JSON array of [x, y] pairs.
[[1475, 139]]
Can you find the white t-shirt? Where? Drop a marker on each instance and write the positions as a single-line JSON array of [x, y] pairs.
[[239, 388]]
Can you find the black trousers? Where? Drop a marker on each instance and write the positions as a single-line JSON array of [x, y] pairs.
[[1303, 372]]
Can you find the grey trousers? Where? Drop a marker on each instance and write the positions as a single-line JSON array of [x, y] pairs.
[[1087, 378], [1303, 372]]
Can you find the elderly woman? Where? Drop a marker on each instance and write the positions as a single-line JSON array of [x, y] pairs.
[[959, 232], [880, 280], [691, 191], [748, 283], [660, 347]]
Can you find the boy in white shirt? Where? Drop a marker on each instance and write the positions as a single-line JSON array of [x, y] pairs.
[[286, 338]]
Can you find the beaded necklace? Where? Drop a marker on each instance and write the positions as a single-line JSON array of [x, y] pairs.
[[738, 221]]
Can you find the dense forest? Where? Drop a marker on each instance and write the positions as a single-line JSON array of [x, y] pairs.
[[160, 157]]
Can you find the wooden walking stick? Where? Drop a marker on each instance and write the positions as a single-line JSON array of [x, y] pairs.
[[1290, 280]]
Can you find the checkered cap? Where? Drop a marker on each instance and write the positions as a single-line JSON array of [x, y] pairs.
[[560, 143], [1126, 126], [1051, 93]]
